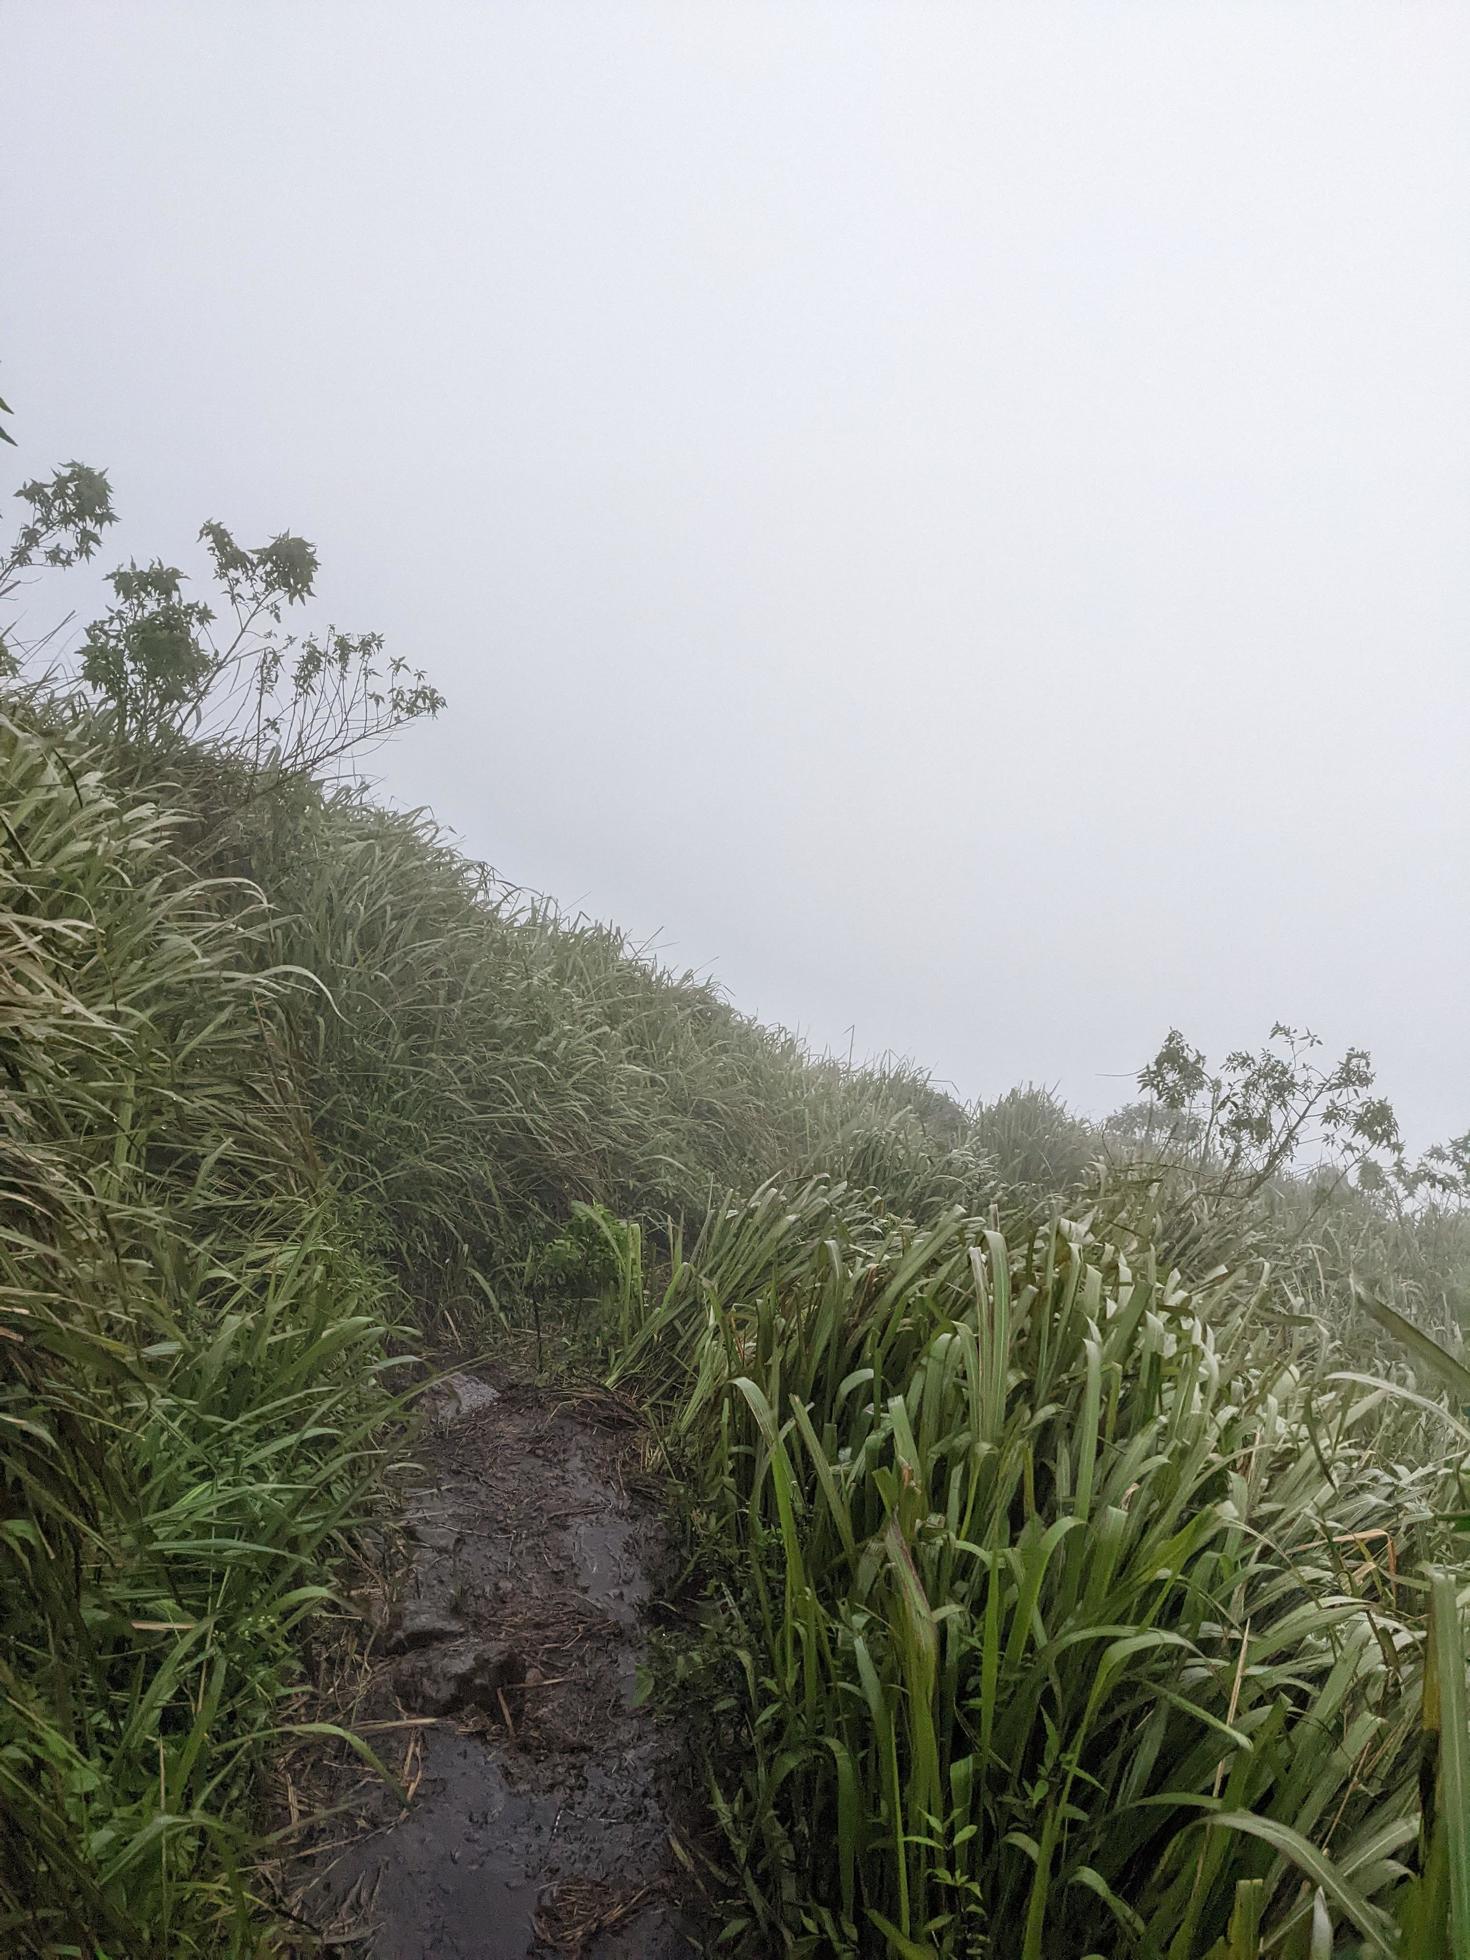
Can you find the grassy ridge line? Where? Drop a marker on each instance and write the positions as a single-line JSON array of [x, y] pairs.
[[486, 1061], [282, 1068], [483, 1061], [223, 1178]]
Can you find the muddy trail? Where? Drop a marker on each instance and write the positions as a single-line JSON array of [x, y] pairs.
[[547, 1810]]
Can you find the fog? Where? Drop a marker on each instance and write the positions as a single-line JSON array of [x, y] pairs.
[[951, 518]]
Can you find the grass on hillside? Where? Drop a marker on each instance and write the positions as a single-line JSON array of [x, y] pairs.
[[195, 1372], [1091, 1573], [1073, 1611], [1065, 1587]]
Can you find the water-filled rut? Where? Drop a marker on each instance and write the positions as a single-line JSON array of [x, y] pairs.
[[544, 1801]]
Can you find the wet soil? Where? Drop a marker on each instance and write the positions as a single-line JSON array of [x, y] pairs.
[[547, 1809]]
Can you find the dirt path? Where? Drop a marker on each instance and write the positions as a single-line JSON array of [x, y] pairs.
[[543, 1800]]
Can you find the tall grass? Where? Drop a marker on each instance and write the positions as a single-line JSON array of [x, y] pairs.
[[240, 1136], [476, 1061], [193, 1360], [1078, 1591], [1077, 1612]]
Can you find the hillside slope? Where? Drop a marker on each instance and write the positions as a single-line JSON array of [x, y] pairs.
[[1077, 1542]]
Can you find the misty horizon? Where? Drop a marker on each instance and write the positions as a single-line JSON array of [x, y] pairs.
[[950, 522]]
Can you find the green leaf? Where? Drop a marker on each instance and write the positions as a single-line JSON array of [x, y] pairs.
[[1315, 1865], [1438, 1360]]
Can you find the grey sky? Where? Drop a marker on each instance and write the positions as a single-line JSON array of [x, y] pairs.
[[955, 515]]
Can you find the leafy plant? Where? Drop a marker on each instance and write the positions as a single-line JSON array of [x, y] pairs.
[[271, 699], [68, 513], [290, 704], [1264, 1112]]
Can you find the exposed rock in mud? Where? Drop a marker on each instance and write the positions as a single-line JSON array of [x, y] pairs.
[[453, 1397], [418, 1622], [463, 1674], [546, 1803], [434, 1537]]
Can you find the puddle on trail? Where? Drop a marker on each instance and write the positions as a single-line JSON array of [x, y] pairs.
[[542, 1798], [454, 1876], [605, 1548]]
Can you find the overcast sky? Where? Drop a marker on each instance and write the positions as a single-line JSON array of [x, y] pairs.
[[956, 517]]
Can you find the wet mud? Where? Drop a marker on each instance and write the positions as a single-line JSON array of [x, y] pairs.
[[547, 1808]]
